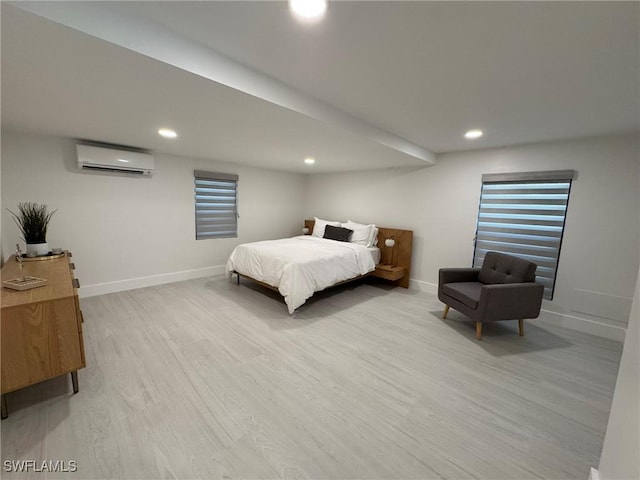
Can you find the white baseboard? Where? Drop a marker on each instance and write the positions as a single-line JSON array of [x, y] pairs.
[[594, 474], [423, 286], [549, 317], [141, 282], [581, 324]]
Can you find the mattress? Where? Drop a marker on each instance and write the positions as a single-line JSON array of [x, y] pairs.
[[375, 254], [300, 266]]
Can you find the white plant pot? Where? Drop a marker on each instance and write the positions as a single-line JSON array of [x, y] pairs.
[[38, 248]]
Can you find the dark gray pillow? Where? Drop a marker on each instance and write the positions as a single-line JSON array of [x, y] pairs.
[[337, 233]]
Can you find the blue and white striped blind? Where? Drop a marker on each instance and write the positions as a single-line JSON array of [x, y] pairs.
[[216, 205], [524, 215]]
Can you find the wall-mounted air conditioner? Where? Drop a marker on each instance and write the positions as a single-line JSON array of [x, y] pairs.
[[92, 158]]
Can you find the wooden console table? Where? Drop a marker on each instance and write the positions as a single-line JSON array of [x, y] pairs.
[[41, 327]]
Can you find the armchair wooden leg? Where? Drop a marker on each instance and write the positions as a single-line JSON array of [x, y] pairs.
[[521, 327], [478, 330], [446, 311]]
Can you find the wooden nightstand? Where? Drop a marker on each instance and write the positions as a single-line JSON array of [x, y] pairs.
[[389, 272]]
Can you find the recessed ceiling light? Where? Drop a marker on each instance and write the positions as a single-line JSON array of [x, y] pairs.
[[473, 134], [309, 161], [167, 133], [123, 160], [308, 10]]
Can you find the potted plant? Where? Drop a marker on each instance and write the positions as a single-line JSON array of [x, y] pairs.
[[33, 220]]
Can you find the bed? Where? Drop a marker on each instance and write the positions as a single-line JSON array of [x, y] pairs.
[[300, 266]]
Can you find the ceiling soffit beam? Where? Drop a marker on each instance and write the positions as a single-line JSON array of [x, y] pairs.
[[103, 21]]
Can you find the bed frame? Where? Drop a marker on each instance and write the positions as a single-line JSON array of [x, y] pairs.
[[394, 266], [271, 287]]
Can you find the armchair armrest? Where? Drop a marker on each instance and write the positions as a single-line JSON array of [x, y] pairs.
[[509, 301], [451, 275]]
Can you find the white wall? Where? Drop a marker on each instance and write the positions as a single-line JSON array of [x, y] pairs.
[[620, 459], [126, 232], [599, 257]]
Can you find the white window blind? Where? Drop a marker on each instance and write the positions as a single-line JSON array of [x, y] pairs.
[[216, 205], [523, 214]]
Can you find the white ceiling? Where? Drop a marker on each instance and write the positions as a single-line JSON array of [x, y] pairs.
[[419, 72]]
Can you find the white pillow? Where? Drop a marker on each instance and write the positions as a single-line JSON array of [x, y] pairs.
[[374, 236], [366, 235], [318, 227], [361, 233]]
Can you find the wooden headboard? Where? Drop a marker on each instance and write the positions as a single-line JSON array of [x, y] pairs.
[[402, 250]]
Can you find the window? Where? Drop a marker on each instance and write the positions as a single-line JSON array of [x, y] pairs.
[[216, 205], [523, 214]]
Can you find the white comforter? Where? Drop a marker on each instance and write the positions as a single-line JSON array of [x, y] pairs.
[[300, 266]]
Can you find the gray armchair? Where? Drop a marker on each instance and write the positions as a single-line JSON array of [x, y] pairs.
[[503, 289]]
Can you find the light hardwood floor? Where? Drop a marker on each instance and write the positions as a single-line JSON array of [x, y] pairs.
[[207, 379]]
